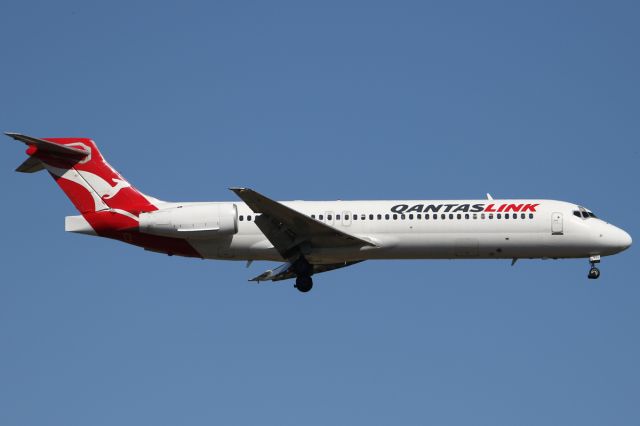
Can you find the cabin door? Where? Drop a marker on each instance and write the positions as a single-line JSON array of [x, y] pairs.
[[556, 223]]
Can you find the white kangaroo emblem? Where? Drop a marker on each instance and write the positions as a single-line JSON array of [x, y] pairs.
[[96, 186], [113, 191]]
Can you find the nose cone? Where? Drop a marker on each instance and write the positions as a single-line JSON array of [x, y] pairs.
[[617, 239], [625, 240]]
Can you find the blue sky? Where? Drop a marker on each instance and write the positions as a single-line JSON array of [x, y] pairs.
[[324, 100]]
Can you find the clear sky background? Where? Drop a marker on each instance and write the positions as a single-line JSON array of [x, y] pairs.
[[323, 100]]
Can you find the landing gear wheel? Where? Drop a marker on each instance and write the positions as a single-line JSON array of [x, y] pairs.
[[304, 283], [594, 272]]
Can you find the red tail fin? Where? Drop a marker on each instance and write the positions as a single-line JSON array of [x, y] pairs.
[[110, 206], [89, 181]]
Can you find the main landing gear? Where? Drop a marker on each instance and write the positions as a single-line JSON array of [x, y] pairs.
[[303, 271], [594, 272], [304, 283]]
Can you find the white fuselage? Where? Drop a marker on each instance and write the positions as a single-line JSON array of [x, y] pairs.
[[412, 230], [314, 236]]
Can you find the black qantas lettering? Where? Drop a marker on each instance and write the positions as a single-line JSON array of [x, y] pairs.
[[435, 208], [432, 208], [399, 208], [417, 208]]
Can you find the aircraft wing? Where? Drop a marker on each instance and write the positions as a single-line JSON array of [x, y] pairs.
[[287, 228], [284, 271]]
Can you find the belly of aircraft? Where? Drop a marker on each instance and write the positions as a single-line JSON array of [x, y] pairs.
[[422, 246]]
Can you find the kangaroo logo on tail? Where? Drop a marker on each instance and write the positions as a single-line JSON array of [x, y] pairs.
[[113, 191], [79, 161], [99, 188]]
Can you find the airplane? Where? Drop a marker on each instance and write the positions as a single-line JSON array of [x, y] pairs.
[[312, 237]]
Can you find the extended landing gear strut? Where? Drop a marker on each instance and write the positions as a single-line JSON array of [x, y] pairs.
[[303, 271], [594, 272]]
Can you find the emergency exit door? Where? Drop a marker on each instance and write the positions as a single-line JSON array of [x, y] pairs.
[[556, 223]]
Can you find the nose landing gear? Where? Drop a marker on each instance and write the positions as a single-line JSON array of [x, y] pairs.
[[594, 272]]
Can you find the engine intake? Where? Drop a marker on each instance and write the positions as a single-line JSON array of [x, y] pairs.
[[192, 221]]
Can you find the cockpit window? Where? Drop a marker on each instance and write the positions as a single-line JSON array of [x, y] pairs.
[[583, 213]]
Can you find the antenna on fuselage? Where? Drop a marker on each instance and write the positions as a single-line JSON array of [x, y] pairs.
[[489, 197]]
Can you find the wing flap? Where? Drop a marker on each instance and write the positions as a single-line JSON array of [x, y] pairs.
[[284, 271]]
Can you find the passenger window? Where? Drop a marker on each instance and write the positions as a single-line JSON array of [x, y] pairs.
[[337, 217], [522, 215], [321, 217], [426, 216], [459, 216], [530, 215], [395, 217], [499, 216], [313, 216], [363, 216], [475, 215], [346, 217], [482, 216], [386, 216], [490, 215], [443, 216], [249, 218], [410, 217], [418, 216], [506, 216], [466, 215], [241, 218], [329, 217], [379, 217], [370, 217]]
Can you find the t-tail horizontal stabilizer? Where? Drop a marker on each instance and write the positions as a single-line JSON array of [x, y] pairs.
[[44, 147]]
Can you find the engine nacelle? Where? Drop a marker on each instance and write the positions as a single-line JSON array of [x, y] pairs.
[[192, 221]]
